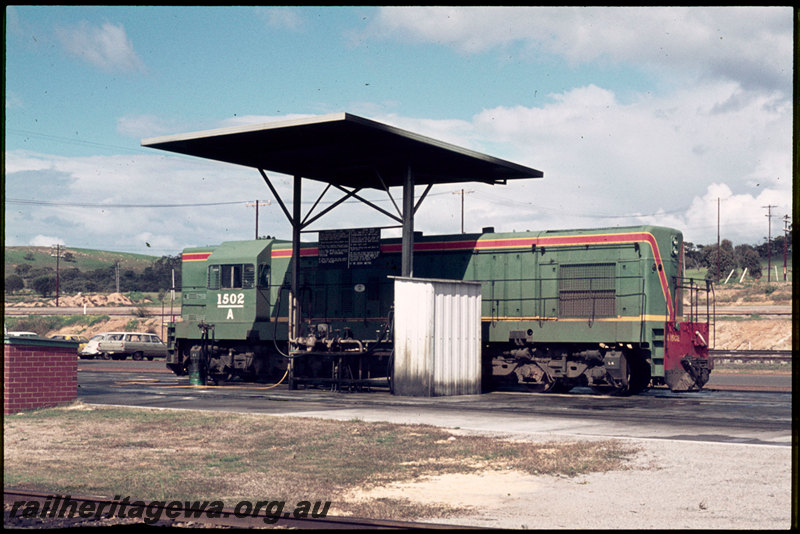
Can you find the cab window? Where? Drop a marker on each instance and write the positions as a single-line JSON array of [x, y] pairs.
[[263, 275], [231, 276]]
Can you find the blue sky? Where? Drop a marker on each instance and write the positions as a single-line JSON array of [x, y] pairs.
[[635, 115]]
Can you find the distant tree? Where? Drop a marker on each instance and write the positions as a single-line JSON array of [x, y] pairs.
[[747, 258], [22, 269], [73, 280], [68, 256], [719, 260], [29, 256], [14, 283], [44, 285]]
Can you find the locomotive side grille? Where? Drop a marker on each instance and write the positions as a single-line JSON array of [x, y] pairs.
[[248, 276], [587, 290]]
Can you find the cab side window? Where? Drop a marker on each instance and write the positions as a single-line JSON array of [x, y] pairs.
[[232, 276], [263, 275]]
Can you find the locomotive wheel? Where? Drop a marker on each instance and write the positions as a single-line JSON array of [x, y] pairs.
[[617, 391], [544, 387], [640, 379], [541, 382], [533, 378], [637, 371]]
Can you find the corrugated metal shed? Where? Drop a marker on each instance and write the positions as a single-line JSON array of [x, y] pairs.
[[437, 337]]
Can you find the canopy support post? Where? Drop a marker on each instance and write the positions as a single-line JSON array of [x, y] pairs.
[[407, 260]]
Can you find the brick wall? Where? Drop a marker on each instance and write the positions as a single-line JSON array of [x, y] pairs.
[[38, 373]]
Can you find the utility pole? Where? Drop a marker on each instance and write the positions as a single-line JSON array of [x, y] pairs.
[[769, 241], [462, 192], [718, 245], [116, 273], [58, 257], [256, 204], [786, 226]]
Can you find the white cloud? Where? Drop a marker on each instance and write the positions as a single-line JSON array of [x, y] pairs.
[[713, 42], [13, 101], [89, 204], [106, 46], [282, 18], [45, 241]]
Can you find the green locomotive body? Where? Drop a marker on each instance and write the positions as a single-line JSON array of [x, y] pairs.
[[601, 307]]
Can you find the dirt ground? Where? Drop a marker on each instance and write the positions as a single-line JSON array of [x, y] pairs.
[[754, 334], [683, 485], [79, 300]]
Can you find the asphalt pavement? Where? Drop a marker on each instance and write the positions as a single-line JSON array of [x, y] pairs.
[[710, 415]]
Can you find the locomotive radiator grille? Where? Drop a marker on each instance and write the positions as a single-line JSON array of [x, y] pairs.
[[587, 290]]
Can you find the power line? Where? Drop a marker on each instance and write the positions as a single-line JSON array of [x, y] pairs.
[[31, 202], [99, 205], [68, 140]]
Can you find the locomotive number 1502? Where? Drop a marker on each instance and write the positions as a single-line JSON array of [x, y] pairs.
[[230, 301]]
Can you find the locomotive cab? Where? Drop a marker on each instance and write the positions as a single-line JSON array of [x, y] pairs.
[[227, 305]]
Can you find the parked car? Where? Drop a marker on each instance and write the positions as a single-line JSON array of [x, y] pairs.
[[21, 334], [81, 340], [120, 345]]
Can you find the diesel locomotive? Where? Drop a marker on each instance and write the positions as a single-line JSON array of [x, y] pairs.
[[607, 308]]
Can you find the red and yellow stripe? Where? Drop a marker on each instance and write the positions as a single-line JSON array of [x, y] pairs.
[[195, 256], [526, 242]]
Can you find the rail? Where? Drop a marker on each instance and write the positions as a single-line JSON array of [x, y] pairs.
[[752, 355]]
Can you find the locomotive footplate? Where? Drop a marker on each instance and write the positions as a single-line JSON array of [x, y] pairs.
[[342, 371]]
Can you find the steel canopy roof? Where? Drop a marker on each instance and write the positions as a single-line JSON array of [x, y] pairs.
[[346, 150]]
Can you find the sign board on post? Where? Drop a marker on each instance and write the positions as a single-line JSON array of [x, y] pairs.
[[353, 248]]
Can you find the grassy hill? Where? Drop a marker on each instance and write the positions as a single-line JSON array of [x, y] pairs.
[[80, 258]]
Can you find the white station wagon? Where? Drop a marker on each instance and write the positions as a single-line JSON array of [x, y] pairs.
[[120, 345]]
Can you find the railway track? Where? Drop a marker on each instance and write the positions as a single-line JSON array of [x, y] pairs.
[[36, 509], [752, 355]]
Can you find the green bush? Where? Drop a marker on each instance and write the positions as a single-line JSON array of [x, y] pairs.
[[14, 283]]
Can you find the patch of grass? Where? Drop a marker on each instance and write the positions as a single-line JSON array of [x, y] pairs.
[[154, 454], [739, 318]]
